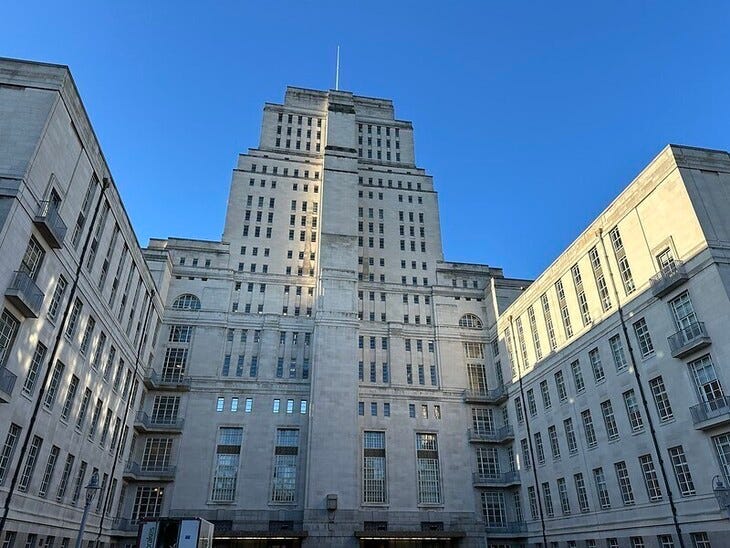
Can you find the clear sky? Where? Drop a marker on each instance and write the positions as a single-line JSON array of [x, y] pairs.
[[531, 116]]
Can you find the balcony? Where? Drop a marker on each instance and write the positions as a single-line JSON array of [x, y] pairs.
[[135, 472], [500, 435], [168, 381], [692, 338], [669, 278], [49, 224], [510, 528], [25, 295], [494, 396], [125, 525], [7, 383], [710, 414], [144, 423], [508, 479]]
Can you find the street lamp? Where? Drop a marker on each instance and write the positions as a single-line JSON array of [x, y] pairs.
[[91, 490]]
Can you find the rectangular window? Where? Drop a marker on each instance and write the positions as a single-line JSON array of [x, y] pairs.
[[554, 443], [53, 384], [560, 385], [8, 450], [539, 450], [570, 436], [588, 429], [624, 483], [147, 503], [609, 420], [8, 329], [286, 457], [617, 351], [79, 482], [548, 321], [547, 499], [633, 411], [651, 481], [535, 335], [374, 477], [661, 399], [580, 294], [595, 358], [48, 472], [428, 471], [65, 476], [545, 392], [35, 364], [563, 495], [225, 473], [646, 348], [73, 318], [580, 489], [493, 508], [531, 405], [70, 396], [681, 471], [577, 376], [599, 479], [707, 384], [564, 312], [532, 498], [58, 294], [623, 263], [524, 445]]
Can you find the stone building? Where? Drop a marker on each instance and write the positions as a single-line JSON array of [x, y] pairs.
[[321, 376]]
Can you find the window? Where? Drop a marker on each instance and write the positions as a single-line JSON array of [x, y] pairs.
[[70, 396], [539, 450], [588, 429], [374, 476], [700, 540], [563, 495], [518, 410], [609, 420], [681, 471], [545, 392], [225, 472], [707, 384], [427, 467], [547, 499], [624, 483], [651, 481], [564, 312], [596, 366], [220, 405], [35, 364], [560, 385], [531, 406], [554, 443], [65, 476], [623, 263], [548, 321], [147, 503], [665, 541], [58, 294], [637, 542], [470, 321], [570, 436], [661, 399], [524, 445], [644, 339], [48, 472], [8, 450], [493, 508], [633, 411], [535, 335], [53, 385], [601, 489], [532, 498], [577, 376], [580, 489], [617, 351], [580, 293], [601, 285], [286, 457], [186, 302]]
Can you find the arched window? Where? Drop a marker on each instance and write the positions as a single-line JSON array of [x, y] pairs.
[[186, 302], [470, 321]]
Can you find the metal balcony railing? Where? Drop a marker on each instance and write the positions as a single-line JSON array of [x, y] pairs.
[[151, 472], [501, 434], [171, 380], [668, 278], [125, 524], [509, 527], [50, 225], [505, 479], [7, 383], [717, 411], [496, 395], [162, 424], [25, 294], [690, 339]]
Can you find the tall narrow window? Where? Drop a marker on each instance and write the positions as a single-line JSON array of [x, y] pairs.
[[580, 294], [48, 472], [580, 489], [681, 471], [8, 329], [6, 456], [624, 483], [623, 263], [286, 457], [661, 399], [609, 420], [374, 477], [595, 358], [53, 384], [65, 476], [564, 498], [535, 335], [707, 385], [570, 436], [617, 351], [30, 461], [225, 473], [427, 467], [547, 499], [564, 312], [560, 385], [588, 429], [651, 481], [577, 376], [35, 364], [549, 327], [646, 347], [601, 489], [633, 411], [601, 285]]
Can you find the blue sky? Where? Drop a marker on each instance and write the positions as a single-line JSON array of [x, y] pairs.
[[531, 116]]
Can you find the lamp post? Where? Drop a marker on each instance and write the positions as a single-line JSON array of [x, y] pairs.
[[91, 490]]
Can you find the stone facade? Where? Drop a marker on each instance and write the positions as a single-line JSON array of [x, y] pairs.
[[323, 377]]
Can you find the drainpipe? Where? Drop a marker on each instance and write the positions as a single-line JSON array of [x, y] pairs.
[[645, 405], [52, 358], [529, 435]]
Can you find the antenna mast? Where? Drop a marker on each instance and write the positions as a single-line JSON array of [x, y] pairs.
[[337, 71]]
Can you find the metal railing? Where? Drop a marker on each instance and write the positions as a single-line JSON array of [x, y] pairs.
[[7, 382], [669, 277], [687, 338], [50, 218], [493, 395], [509, 527], [709, 410], [159, 422], [170, 378], [24, 293], [496, 479], [500, 434], [150, 471]]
